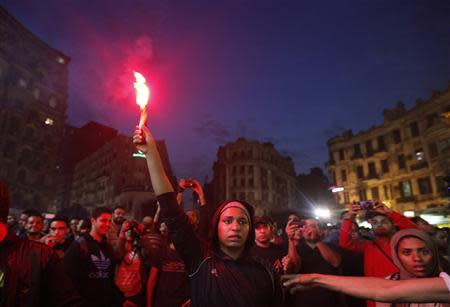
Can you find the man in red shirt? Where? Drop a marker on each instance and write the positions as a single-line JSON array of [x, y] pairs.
[[376, 251]]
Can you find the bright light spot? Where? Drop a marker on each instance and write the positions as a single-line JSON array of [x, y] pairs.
[[61, 60], [420, 156], [322, 213], [337, 189], [365, 224], [138, 155], [432, 219], [329, 224], [49, 121], [409, 213]]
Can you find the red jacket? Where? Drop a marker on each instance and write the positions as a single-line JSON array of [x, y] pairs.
[[375, 262]]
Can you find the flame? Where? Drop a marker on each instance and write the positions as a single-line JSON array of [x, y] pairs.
[[142, 90]]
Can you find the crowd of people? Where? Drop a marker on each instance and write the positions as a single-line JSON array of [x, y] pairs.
[[221, 257]]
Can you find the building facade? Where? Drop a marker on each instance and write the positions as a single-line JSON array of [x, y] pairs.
[[33, 103], [255, 172], [114, 175], [404, 162]]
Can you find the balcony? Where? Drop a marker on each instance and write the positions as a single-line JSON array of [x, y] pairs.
[[405, 199], [419, 165], [357, 155]]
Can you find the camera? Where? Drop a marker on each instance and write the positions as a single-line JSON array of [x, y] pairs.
[[134, 231], [298, 223], [366, 204]]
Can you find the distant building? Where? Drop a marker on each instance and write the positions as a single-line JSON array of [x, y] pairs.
[[403, 162], [33, 91], [255, 172], [114, 175]]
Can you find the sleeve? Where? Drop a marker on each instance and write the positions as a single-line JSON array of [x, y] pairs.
[[401, 221], [59, 289], [446, 279], [181, 232], [72, 262], [346, 241]]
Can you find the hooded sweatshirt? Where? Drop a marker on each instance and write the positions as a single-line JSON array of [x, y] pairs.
[[215, 278], [403, 273]]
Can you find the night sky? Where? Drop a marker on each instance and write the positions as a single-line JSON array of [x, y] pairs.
[[291, 72]]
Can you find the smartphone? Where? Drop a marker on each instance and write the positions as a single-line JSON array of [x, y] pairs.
[[366, 204]]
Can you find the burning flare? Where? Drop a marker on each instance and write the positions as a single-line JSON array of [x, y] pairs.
[[142, 96], [142, 90]]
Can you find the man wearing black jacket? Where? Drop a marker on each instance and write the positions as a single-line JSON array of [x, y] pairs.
[[90, 262], [31, 274]]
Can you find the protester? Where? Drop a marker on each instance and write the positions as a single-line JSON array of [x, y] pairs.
[[31, 274], [118, 218], [57, 238], [90, 262], [34, 226], [317, 257], [74, 222], [277, 255], [132, 271], [84, 227], [440, 236], [376, 251], [222, 273]]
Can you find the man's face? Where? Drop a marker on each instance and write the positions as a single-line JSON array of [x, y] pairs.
[[11, 220], [74, 224], [233, 228], [147, 221], [118, 216], [23, 220], [59, 230], [441, 238], [415, 256], [35, 224], [163, 230], [263, 233], [382, 226], [102, 224], [311, 231]]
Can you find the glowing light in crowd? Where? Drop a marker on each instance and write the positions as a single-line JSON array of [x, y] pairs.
[[337, 189], [322, 213], [409, 213], [142, 96]]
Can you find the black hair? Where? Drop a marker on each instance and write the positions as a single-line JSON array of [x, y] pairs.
[[99, 211], [59, 218]]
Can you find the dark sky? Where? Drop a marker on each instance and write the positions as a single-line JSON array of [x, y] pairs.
[[291, 72]]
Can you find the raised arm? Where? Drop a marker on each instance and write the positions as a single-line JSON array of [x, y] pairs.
[[180, 231], [419, 290]]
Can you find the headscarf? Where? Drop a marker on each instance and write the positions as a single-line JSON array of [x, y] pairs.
[[248, 211], [421, 235]]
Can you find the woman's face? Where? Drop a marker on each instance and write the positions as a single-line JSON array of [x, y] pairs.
[[415, 256], [233, 228]]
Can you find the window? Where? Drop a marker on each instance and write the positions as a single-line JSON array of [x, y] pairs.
[[233, 172], [372, 170], [433, 150], [242, 169], [431, 119], [250, 169], [251, 182], [242, 196], [360, 171], [341, 154], [375, 194], [414, 126], [346, 198], [369, 149], [396, 135], [420, 156], [343, 175], [357, 151], [424, 185], [401, 162], [386, 192], [242, 182], [333, 176], [405, 189], [362, 194], [385, 166], [381, 143], [234, 182]]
